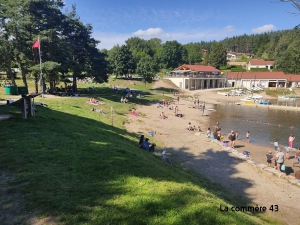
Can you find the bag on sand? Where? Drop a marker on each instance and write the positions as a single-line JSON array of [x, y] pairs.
[[282, 167], [246, 153]]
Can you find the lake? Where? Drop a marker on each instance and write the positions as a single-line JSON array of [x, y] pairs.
[[265, 124]]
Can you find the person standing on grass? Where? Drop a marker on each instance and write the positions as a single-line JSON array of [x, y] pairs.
[[247, 137], [203, 108], [291, 139]]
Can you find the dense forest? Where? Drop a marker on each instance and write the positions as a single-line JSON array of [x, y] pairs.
[[68, 48]]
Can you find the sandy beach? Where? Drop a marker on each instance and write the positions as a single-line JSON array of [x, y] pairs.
[[197, 152]]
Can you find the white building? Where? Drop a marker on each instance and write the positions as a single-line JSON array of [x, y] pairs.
[[195, 77], [260, 64]]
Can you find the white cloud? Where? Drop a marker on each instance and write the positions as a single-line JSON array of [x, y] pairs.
[[149, 32], [264, 28], [229, 28], [108, 40]]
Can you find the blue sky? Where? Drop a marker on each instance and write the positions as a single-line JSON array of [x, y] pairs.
[[114, 21]]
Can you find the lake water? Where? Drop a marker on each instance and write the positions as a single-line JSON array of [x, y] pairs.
[[265, 124]]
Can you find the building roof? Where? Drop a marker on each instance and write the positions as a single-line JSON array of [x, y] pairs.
[[197, 68], [263, 75], [260, 62]]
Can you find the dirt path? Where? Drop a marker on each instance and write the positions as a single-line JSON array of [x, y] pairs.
[[254, 185]]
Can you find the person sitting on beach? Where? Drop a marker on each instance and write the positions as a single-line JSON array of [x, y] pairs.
[[163, 116], [199, 129], [98, 110], [269, 158], [297, 157], [189, 127], [93, 101], [133, 112], [208, 132]]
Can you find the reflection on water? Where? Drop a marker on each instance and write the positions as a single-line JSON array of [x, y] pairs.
[[265, 124]]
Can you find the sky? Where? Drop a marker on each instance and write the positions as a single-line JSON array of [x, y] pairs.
[[186, 21]]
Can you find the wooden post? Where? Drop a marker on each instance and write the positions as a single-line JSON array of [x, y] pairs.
[[112, 115], [23, 108]]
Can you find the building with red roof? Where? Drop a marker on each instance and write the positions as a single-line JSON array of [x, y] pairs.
[[195, 77], [260, 64], [262, 79]]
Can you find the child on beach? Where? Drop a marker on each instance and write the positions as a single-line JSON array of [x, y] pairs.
[[208, 132], [275, 145], [291, 139], [269, 158], [247, 137]]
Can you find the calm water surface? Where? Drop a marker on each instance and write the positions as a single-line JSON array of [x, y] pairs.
[[263, 123]]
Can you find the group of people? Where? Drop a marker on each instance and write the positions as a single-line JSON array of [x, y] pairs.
[[94, 101], [124, 100], [145, 144], [278, 159]]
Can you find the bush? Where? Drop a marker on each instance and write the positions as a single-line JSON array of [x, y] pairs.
[[259, 70]]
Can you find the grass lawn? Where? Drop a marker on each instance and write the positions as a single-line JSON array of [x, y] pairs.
[[71, 163]]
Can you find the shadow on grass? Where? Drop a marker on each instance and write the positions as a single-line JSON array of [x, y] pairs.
[[88, 172]]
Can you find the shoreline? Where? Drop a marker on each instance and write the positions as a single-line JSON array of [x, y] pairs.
[[249, 180]]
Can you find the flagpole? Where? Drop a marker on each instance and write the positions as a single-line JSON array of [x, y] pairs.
[[41, 72]]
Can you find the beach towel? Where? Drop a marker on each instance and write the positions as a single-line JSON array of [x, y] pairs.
[[151, 134], [225, 144], [134, 114]]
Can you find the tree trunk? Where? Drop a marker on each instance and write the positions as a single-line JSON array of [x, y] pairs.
[[11, 76], [51, 86], [24, 77], [74, 82]]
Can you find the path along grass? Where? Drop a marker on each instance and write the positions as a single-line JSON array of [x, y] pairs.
[[72, 163]]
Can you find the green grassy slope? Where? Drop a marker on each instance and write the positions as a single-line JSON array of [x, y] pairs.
[[72, 163]]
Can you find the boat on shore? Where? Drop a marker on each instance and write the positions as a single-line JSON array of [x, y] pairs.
[[254, 98], [285, 98], [265, 102]]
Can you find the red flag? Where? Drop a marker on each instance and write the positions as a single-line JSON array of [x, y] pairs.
[[36, 44]]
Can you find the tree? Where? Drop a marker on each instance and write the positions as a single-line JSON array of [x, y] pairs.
[[110, 58], [217, 55], [78, 41], [124, 62], [288, 62], [172, 55], [24, 21], [146, 69], [194, 51]]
